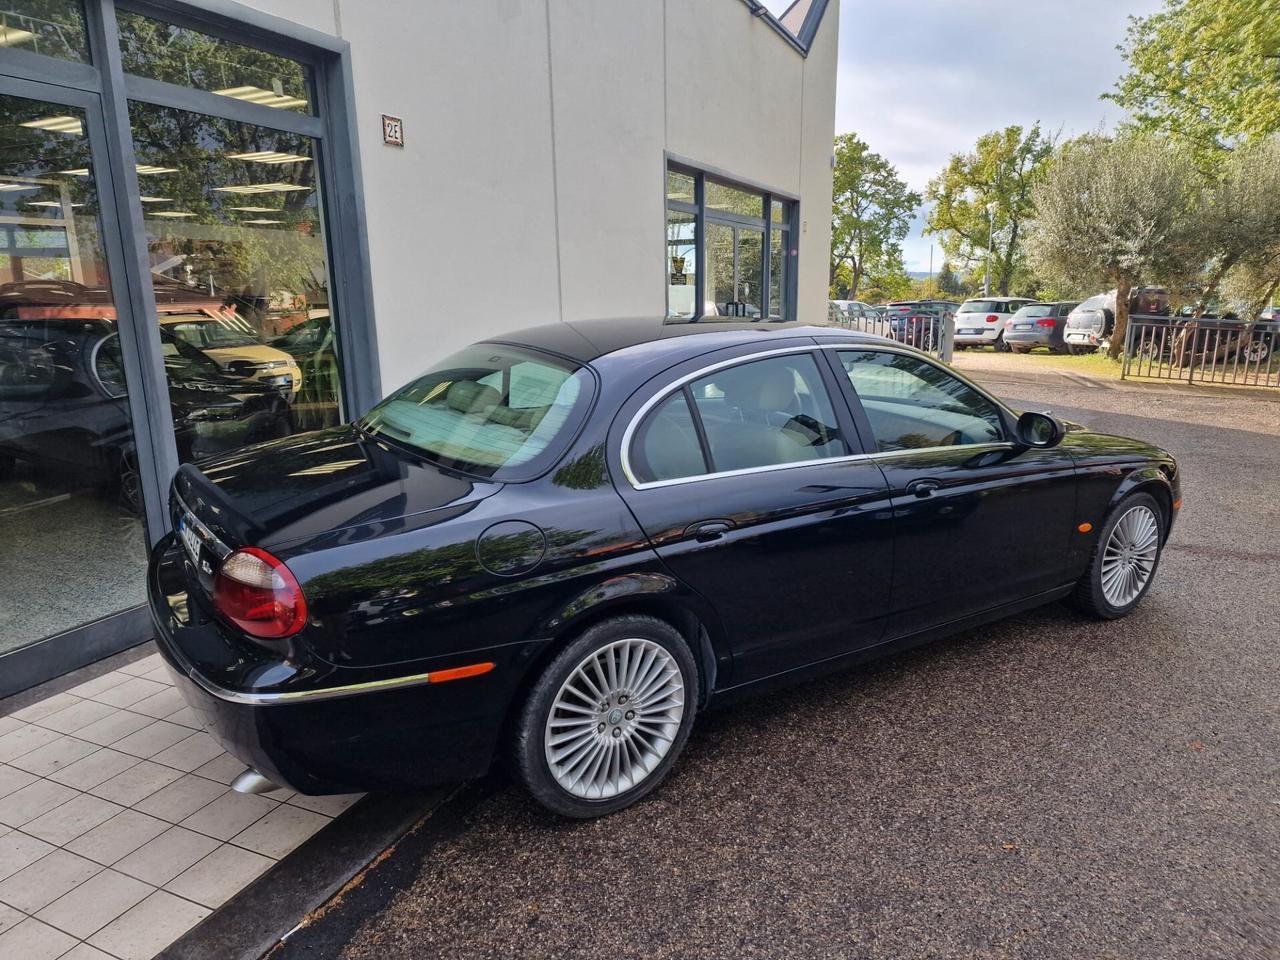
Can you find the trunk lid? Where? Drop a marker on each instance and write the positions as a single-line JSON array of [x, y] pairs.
[[310, 483]]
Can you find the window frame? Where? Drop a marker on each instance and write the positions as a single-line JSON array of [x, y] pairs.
[[787, 229], [698, 368]]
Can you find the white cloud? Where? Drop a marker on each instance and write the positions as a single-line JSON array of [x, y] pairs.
[[922, 79]]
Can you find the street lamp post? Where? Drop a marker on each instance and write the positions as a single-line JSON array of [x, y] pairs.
[[991, 230]]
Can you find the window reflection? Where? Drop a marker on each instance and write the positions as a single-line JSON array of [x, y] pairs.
[[233, 219], [163, 51], [54, 28]]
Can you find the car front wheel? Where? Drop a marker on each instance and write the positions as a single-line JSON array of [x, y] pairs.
[[1124, 560], [604, 722]]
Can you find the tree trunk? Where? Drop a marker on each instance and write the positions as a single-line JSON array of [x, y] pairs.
[[856, 282], [1123, 289]]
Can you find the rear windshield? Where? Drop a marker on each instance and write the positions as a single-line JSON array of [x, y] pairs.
[[491, 409], [983, 306], [1094, 303], [1037, 310]]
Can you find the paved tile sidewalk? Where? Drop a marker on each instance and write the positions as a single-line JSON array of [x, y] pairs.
[[118, 830]]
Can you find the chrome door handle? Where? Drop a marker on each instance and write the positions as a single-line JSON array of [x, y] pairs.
[[923, 488]]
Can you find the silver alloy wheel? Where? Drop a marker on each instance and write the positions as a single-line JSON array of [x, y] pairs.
[[1129, 558], [614, 719]]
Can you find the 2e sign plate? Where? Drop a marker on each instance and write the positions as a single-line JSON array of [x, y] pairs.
[[392, 130]]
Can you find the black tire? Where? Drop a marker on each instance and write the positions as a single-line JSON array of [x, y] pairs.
[[527, 753], [1089, 596], [1021, 350], [1000, 345]]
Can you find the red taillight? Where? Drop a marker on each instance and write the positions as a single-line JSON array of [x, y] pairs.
[[992, 318], [257, 593], [1044, 323]]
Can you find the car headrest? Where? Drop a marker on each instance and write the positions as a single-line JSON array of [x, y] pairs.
[[467, 396], [776, 390]]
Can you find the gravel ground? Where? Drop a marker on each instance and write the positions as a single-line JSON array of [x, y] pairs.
[[1043, 787]]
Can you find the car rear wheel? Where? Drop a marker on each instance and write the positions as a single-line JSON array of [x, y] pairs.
[[1000, 345], [1124, 559], [604, 722]]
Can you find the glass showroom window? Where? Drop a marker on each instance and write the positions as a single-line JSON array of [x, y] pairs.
[[234, 225], [735, 260]]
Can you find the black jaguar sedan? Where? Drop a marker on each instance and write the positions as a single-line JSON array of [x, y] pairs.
[[559, 546]]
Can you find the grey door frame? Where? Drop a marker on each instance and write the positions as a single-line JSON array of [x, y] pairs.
[[103, 90]]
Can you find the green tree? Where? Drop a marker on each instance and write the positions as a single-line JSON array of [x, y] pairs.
[[871, 213], [1117, 213], [1205, 70], [887, 280], [985, 196], [948, 282], [1241, 215]]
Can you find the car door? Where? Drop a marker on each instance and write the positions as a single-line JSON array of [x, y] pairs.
[[979, 521], [747, 474]]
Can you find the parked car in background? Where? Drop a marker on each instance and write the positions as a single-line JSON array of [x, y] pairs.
[[856, 315], [1090, 324], [1038, 325], [551, 547], [232, 344], [63, 401], [980, 322], [919, 323]]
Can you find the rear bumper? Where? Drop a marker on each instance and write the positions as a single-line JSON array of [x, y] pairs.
[[360, 733], [1034, 338], [987, 334]]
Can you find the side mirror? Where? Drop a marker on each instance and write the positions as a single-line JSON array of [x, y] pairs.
[[1039, 430]]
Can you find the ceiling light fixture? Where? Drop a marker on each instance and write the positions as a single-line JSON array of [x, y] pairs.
[[156, 199], [77, 172], [262, 188], [270, 156], [262, 97], [147, 168], [263, 221], [9, 187], [50, 203], [255, 209], [172, 214], [63, 124]]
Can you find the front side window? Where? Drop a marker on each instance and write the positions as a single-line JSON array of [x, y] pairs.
[[913, 404], [761, 413], [488, 408]]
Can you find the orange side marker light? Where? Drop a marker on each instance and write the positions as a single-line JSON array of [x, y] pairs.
[[1085, 527], [459, 673], [1177, 504]]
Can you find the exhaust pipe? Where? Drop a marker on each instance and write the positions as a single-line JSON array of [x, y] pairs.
[[251, 781]]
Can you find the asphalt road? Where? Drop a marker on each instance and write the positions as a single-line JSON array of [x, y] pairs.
[[1044, 787]]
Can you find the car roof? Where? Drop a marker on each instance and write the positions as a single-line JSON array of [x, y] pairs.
[[589, 340]]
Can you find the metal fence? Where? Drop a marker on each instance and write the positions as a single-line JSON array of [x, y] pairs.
[[1203, 351], [928, 333]]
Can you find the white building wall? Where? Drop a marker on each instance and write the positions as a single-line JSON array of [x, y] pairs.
[[531, 187]]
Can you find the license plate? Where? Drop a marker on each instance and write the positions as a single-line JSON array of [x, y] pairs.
[[1022, 326], [190, 539], [970, 333]]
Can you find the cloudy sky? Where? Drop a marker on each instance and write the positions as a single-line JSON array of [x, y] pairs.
[[920, 80]]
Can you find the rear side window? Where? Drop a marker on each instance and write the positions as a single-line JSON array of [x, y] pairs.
[[914, 405], [491, 409], [760, 413]]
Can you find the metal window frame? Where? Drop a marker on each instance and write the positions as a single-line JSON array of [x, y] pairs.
[[703, 215], [103, 90]]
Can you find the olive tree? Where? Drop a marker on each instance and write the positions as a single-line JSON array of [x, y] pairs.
[[1117, 212]]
